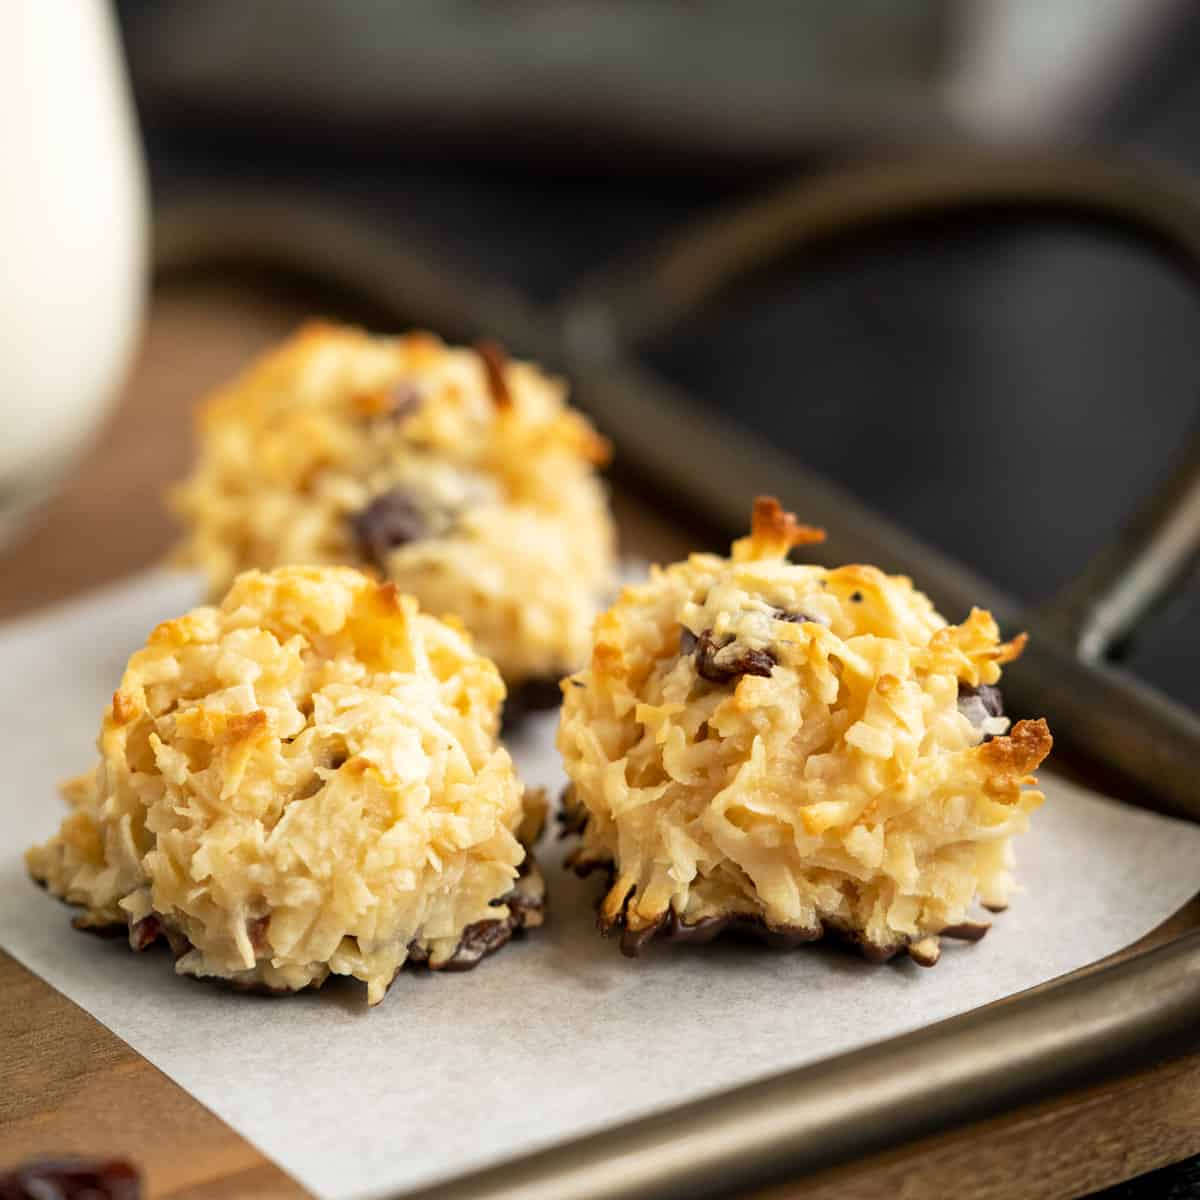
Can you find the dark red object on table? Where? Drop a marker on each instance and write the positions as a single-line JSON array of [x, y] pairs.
[[72, 1179]]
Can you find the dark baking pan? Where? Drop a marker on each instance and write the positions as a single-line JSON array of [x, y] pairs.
[[1032, 1045]]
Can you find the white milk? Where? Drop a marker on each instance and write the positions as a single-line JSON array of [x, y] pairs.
[[72, 237]]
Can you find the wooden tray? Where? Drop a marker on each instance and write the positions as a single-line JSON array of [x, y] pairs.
[[72, 1086]]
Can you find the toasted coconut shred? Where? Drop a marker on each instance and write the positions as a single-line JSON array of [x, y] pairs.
[[461, 475], [780, 747], [304, 780]]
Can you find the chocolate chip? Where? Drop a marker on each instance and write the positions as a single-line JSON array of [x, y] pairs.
[[72, 1179], [256, 931], [798, 618], [743, 660], [478, 941], [526, 902], [179, 943], [403, 400], [390, 520], [145, 932], [495, 362], [572, 817]]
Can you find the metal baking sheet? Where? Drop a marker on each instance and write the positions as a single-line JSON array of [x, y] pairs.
[[557, 1036]]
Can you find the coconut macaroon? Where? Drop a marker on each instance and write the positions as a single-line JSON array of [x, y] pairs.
[[794, 751], [302, 781], [457, 473]]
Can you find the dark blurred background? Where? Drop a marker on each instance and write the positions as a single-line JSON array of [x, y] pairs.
[[1005, 387]]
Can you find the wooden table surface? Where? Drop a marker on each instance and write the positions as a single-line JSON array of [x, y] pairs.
[[69, 1085]]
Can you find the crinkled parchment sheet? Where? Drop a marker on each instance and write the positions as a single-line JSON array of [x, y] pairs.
[[557, 1034]]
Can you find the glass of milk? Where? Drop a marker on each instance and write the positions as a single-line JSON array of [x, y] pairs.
[[72, 239]]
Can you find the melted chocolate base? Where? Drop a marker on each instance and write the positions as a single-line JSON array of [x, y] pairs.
[[526, 901], [670, 927], [746, 927]]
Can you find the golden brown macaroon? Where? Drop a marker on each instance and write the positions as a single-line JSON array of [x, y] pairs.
[[795, 751], [302, 781], [459, 474]]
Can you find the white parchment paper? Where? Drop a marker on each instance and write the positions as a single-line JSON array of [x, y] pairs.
[[557, 1034]]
